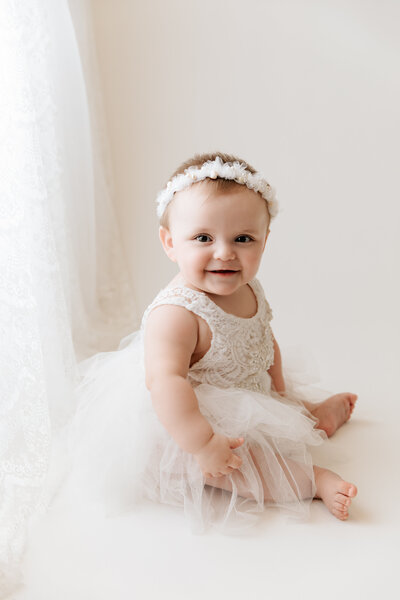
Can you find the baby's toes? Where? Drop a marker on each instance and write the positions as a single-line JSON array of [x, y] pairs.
[[342, 500], [347, 489], [351, 490], [348, 405], [339, 513], [352, 398], [338, 506]]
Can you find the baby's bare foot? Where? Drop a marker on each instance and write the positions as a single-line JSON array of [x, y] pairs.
[[335, 493], [334, 411]]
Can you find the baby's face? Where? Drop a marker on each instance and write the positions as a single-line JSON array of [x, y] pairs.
[[217, 239]]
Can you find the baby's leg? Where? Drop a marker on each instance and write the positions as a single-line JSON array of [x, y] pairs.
[[330, 487], [299, 480]]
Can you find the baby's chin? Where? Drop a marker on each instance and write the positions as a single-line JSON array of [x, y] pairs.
[[223, 283]]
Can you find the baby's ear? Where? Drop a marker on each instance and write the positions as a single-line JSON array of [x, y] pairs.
[[167, 242]]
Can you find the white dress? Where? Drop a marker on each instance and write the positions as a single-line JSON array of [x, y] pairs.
[[122, 455]]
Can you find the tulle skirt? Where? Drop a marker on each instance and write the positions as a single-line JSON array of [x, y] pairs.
[[119, 455]]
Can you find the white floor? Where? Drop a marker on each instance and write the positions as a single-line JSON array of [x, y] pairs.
[[152, 554]]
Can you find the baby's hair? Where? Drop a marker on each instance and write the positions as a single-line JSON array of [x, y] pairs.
[[219, 184]]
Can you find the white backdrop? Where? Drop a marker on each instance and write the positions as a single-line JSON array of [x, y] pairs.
[[307, 92]]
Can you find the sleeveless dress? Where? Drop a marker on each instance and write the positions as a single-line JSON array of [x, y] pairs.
[[121, 455]]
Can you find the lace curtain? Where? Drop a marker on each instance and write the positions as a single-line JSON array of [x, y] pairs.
[[64, 290]]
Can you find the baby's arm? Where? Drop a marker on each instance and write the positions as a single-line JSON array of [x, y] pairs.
[[170, 340], [275, 370]]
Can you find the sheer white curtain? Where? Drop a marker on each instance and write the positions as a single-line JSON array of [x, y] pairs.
[[64, 290]]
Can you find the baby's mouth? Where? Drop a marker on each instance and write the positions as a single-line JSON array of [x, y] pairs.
[[223, 271]]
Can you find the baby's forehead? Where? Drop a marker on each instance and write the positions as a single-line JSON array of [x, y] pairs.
[[204, 198], [207, 194]]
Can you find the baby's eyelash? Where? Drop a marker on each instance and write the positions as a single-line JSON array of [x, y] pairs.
[[249, 238], [205, 237]]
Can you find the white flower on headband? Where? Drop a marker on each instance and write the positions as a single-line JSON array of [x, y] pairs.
[[212, 169]]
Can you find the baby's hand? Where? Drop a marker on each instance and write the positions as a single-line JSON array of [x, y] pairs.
[[216, 457]]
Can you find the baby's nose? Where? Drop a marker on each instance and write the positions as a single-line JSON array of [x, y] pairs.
[[224, 251]]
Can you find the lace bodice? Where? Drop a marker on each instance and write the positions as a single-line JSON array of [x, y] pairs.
[[241, 349]]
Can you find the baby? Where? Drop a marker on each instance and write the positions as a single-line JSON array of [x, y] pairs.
[[193, 409], [213, 366]]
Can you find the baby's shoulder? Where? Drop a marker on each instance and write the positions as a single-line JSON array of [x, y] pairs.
[[176, 297], [174, 315], [177, 313], [171, 309], [170, 339], [171, 322]]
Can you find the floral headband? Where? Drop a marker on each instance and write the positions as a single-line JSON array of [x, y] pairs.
[[212, 169]]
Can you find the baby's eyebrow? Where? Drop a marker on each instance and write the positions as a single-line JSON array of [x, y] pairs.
[[243, 230], [248, 231]]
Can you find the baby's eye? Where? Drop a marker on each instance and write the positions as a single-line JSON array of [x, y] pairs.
[[203, 237], [243, 239]]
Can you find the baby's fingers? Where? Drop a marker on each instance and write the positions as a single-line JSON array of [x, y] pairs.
[[235, 442], [215, 475], [235, 461]]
